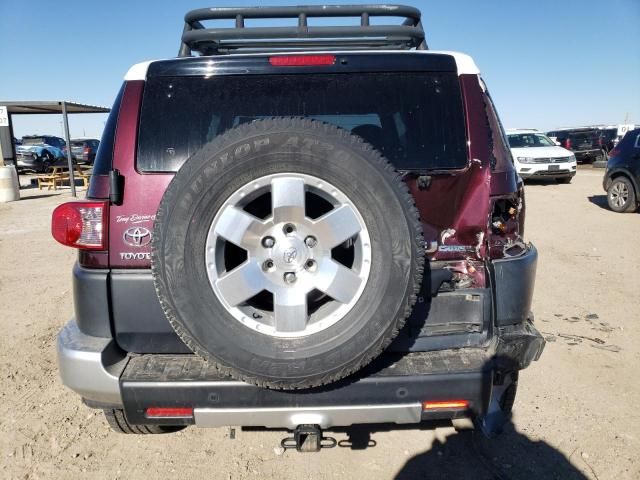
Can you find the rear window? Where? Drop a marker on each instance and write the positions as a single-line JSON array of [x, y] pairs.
[[584, 137], [415, 119]]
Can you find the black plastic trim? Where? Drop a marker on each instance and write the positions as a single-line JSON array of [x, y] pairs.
[[457, 319], [91, 301], [514, 280], [139, 323], [441, 322]]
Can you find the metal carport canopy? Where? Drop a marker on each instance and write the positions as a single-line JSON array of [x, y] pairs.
[[51, 106], [61, 107]]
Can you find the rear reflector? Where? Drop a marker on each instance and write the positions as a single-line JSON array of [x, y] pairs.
[[446, 405], [301, 60], [80, 225], [169, 412]]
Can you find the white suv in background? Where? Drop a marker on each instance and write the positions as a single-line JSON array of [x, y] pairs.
[[535, 156]]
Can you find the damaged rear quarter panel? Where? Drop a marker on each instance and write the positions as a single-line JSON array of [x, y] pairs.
[[456, 207]]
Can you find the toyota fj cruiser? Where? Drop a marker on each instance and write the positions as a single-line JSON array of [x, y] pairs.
[[300, 227]]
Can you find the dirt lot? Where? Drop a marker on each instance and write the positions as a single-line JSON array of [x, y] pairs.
[[575, 414]]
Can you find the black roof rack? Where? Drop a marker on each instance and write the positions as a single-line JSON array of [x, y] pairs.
[[219, 41]]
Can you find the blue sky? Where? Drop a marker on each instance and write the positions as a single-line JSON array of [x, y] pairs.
[[547, 63]]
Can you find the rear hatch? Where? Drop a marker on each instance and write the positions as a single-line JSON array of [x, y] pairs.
[[586, 140], [411, 107]]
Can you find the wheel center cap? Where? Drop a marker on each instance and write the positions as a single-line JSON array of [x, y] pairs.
[[290, 254]]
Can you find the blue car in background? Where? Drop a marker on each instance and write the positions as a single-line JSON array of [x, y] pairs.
[[622, 177], [39, 152]]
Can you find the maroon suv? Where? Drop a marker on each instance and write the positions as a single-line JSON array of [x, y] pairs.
[[302, 228]]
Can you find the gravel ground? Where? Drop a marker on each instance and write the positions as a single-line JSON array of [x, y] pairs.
[[574, 414]]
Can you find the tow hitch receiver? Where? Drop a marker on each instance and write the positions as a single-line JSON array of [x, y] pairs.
[[308, 438]]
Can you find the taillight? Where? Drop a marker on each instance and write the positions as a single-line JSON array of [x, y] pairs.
[[81, 225], [615, 151], [567, 144], [445, 405], [156, 412], [301, 60]]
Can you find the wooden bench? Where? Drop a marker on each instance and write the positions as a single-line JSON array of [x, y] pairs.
[[83, 174], [51, 179], [57, 177]]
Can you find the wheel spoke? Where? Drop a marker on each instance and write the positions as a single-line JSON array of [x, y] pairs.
[[336, 226], [337, 281], [241, 283], [287, 199], [239, 227], [290, 310]]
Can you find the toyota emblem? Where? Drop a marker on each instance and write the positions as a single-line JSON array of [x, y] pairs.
[[290, 255], [137, 236]]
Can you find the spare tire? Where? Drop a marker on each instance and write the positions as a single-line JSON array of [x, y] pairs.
[[288, 252]]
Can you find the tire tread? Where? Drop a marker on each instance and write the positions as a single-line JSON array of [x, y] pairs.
[[118, 422]]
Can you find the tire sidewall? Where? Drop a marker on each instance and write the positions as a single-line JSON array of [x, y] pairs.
[[630, 204]]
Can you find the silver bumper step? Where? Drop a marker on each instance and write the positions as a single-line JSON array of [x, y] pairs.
[[325, 417]]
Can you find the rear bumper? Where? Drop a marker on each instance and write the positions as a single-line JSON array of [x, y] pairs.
[[390, 390], [588, 155]]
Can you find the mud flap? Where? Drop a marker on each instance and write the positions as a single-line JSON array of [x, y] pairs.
[[500, 407]]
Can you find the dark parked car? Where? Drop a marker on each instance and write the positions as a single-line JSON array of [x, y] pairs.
[[84, 150], [622, 178], [583, 142], [278, 237]]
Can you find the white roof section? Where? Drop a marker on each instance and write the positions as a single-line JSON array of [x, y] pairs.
[[465, 64], [138, 71]]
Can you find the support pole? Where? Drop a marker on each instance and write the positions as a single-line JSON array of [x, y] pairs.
[[65, 118], [2, 155], [12, 150]]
